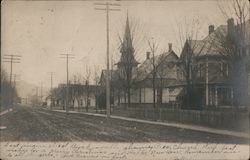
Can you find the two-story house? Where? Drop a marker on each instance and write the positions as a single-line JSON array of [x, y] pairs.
[[211, 70]]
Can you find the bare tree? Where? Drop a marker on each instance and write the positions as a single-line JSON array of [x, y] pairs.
[[8, 92], [188, 33], [234, 44], [153, 47], [75, 90], [87, 85]]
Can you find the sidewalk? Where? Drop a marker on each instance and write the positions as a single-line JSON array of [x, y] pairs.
[[2, 113], [5, 111], [168, 124]]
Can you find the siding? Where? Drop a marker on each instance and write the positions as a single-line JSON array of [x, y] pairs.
[[165, 95]]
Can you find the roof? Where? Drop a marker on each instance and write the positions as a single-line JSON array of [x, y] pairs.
[[79, 86], [211, 45], [146, 67], [113, 73]]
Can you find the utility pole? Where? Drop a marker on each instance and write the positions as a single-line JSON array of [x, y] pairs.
[[37, 96], [26, 100], [11, 58], [51, 87], [41, 92], [67, 57], [15, 76], [107, 9]]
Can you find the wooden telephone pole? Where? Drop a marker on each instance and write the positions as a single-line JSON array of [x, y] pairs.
[[11, 58], [107, 8], [51, 87], [67, 57]]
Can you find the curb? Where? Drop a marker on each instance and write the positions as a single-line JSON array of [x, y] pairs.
[[6, 111]]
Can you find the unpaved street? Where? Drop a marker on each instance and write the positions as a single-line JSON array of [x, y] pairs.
[[33, 124]]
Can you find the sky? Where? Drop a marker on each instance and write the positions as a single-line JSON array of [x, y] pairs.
[[40, 31]]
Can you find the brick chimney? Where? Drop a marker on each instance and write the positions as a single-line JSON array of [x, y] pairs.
[[148, 55], [169, 47], [210, 29], [230, 26]]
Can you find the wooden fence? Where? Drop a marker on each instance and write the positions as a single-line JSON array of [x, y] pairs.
[[217, 119]]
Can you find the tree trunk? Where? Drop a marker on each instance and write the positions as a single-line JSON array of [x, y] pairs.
[[128, 93], [239, 81]]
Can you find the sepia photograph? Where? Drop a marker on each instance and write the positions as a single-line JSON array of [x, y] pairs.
[[125, 80]]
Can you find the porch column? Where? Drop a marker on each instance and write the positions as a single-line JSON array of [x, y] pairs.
[[144, 94], [140, 95], [119, 97], [210, 97], [216, 97], [232, 96]]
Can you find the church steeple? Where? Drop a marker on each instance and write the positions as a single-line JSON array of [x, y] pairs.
[[127, 49], [127, 45]]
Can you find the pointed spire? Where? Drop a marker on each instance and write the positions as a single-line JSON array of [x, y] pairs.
[[127, 39], [127, 49]]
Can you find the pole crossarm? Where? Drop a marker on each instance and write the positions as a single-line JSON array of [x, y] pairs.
[[11, 62], [11, 58], [68, 57], [104, 4], [12, 55]]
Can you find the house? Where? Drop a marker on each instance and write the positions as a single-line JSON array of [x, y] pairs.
[[167, 80], [212, 70], [80, 96], [135, 84]]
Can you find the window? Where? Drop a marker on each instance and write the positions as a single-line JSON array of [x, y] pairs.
[[224, 69], [199, 69], [180, 75]]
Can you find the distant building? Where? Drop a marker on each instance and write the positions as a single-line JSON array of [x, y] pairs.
[[80, 96]]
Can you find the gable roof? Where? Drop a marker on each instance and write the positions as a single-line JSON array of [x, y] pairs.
[[113, 73], [145, 69], [211, 45]]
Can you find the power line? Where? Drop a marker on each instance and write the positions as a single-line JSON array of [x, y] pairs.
[[11, 58], [107, 7], [51, 86], [67, 57]]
